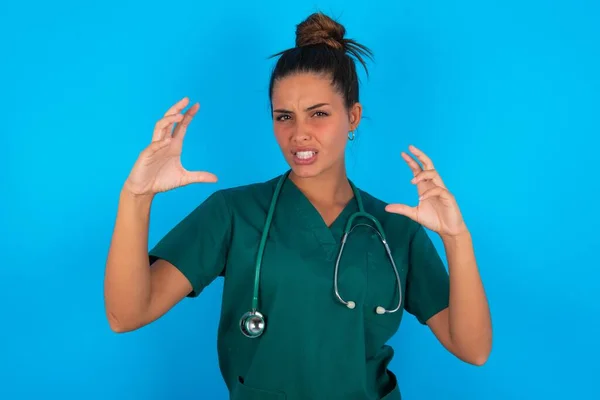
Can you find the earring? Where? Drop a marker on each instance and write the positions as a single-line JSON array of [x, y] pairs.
[[351, 135]]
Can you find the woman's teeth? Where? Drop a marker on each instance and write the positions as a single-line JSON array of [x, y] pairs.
[[305, 154]]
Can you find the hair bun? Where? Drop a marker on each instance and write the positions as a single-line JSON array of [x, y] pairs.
[[318, 28]]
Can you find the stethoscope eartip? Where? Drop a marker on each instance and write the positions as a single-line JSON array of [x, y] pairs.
[[351, 305], [380, 310]]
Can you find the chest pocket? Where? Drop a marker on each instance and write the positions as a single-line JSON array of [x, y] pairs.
[[382, 285]]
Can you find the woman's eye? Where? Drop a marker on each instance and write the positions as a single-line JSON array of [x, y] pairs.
[[284, 117]]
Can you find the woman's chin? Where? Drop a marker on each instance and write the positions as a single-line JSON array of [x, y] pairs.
[[305, 171]]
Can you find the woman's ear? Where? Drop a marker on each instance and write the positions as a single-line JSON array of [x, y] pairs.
[[355, 115]]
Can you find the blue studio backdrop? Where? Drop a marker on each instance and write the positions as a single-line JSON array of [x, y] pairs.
[[504, 97]]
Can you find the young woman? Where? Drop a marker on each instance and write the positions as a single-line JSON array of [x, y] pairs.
[[307, 310]]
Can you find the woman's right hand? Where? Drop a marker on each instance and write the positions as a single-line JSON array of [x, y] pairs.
[[158, 168]]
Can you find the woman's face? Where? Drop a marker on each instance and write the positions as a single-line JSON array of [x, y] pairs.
[[311, 123]]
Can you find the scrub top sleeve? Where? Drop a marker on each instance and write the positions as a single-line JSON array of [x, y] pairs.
[[198, 245], [428, 283]]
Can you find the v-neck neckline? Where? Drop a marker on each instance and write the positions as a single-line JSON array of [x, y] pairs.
[[309, 217]]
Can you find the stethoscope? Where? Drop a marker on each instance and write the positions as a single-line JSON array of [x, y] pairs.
[[252, 323]]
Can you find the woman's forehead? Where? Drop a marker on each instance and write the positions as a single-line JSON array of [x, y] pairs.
[[304, 90]]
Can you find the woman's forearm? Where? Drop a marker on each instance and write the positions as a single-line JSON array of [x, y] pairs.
[[127, 284], [469, 315]]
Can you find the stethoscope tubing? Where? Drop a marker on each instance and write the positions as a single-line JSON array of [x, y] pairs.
[[252, 323]]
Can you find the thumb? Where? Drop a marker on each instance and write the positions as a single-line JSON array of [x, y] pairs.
[[402, 209], [198, 177]]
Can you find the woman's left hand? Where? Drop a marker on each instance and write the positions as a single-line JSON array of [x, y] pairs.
[[437, 209]]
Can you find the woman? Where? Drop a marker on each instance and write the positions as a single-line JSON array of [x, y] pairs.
[[319, 327]]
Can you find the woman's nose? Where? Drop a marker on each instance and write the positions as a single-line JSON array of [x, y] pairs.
[[301, 133]]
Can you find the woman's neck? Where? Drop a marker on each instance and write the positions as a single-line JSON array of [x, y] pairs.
[[329, 188]]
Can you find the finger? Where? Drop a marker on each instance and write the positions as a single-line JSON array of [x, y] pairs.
[[181, 128], [177, 107], [198, 177], [162, 125], [428, 175], [437, 191], [402, 209], [426, 161], [412, 164], [157, 145]]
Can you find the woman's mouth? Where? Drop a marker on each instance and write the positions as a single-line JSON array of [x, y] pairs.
[[305, 157]]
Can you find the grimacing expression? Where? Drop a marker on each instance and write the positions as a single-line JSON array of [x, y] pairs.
[[311, 122]]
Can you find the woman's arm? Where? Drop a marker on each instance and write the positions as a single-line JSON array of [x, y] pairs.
[[134, 293], [464, 328]]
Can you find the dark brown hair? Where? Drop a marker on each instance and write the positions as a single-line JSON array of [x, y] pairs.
[[321, 48]]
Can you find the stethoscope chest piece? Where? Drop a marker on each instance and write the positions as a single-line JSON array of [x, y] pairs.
[[252, 324]]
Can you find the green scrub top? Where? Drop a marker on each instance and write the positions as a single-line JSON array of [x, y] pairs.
[[313, 346]]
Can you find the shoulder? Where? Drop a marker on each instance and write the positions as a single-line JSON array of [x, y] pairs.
[[250, 190], [244, 198], [397, 227], [257, 191]]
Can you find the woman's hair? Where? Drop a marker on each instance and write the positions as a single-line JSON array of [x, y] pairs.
[[322, 49]]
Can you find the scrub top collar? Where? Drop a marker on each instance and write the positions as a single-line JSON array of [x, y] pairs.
[[303, 215]]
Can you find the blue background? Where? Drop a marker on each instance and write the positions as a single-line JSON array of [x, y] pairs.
[[504, 96]]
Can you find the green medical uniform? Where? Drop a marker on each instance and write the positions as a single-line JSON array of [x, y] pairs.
[[313, 347]]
